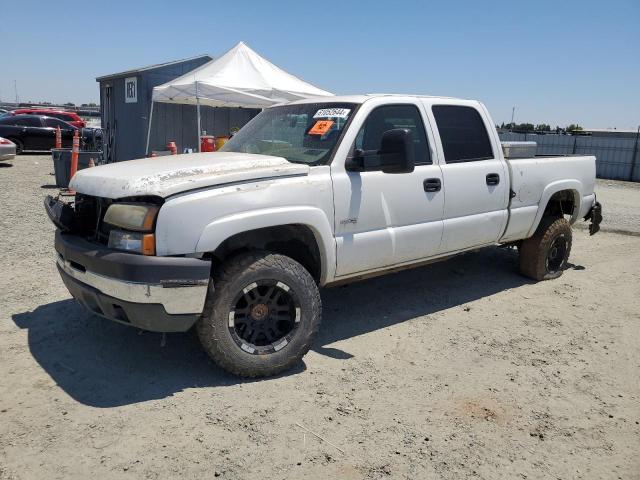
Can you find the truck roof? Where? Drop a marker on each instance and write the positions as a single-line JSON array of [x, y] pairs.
[[365, 97]]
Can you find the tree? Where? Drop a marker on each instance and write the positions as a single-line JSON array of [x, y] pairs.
[[543, 127], [523, 127], [573, 127]]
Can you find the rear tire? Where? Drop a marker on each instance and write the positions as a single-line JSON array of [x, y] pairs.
[[261, 315], [544, 256], [19, 145]]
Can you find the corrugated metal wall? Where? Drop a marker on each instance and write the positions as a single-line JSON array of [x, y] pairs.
[[614, 156], [126, 133]]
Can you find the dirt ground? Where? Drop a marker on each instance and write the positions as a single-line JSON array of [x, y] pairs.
[[463, 369]]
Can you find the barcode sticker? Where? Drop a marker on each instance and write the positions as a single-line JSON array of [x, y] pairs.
[[332, 113]]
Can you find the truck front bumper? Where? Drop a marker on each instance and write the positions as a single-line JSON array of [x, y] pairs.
[[161, 294]]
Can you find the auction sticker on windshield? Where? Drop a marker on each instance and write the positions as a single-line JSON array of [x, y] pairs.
[[332, 113], [321, 127]]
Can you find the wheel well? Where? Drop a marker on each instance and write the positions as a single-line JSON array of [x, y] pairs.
[[295, 241], [560, 203]]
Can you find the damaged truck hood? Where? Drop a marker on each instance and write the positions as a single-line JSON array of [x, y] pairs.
[[169, 175]]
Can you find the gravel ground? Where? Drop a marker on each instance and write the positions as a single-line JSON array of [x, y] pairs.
[[621, 202], [463, 369]]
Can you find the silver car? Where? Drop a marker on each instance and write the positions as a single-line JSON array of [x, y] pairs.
[[7, 149]]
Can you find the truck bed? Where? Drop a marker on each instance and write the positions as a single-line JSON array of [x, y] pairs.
[[533, 179]]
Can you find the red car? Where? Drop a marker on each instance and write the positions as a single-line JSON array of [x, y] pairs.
[[70, 117]]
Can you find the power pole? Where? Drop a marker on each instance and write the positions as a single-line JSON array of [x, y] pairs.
[[635, 157], [15, 87], [513, 113]]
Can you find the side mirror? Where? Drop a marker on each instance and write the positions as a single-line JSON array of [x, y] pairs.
[[396, 154], [396, 151]]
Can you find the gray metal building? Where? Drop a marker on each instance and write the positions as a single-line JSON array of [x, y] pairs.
[[125, 102]]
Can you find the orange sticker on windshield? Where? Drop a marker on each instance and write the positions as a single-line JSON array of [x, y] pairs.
[[321, 127]]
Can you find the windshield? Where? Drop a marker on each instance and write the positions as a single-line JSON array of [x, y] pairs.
[[303, 133]]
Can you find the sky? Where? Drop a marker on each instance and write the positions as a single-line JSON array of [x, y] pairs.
[[557, 62]]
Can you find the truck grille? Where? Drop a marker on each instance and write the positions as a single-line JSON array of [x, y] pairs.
[[90, 212], [89, 216]]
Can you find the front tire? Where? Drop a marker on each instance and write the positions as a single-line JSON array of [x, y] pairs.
[[544, 256], [261, 315]]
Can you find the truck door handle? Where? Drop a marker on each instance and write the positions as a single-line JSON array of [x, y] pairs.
[[432, 185], [493, 179]]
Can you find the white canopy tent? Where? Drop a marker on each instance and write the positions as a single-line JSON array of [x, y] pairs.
[[239, 78]]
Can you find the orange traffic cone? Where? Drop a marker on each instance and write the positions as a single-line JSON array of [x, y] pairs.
[[58, 137], [75, 150]]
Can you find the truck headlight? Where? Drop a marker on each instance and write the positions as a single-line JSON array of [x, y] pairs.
[[137, 221], [139, 217], [144, 243]]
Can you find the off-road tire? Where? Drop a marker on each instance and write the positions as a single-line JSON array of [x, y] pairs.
[[534, 251], [231, 278]]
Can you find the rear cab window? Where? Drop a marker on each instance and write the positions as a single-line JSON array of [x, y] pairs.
[[463, 133]]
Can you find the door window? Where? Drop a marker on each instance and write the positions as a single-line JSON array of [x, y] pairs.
[[389, 117], [463, 134]]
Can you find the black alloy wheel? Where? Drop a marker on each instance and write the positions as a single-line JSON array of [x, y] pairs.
[[556, 254], [264, 317]]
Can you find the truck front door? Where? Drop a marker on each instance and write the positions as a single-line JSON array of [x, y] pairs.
[[475, 178], [387, 219]]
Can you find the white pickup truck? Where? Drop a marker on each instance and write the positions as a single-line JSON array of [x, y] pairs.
[[308, 194]]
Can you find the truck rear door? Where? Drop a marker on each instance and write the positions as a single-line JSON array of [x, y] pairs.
[[475, 177]]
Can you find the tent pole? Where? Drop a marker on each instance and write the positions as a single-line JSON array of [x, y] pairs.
[[198, 113], [146, 150]]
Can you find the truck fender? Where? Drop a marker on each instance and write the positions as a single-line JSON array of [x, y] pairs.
[[574, 185], [223, 228]]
